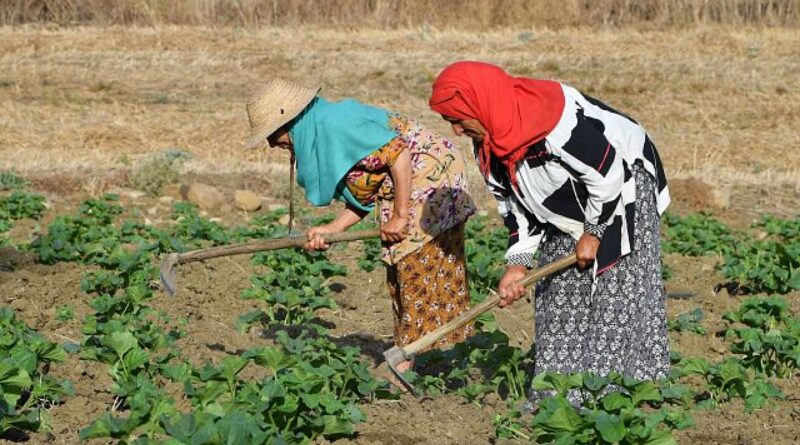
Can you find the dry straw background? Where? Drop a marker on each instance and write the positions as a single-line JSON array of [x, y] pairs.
[[716, 82], [471, 14]]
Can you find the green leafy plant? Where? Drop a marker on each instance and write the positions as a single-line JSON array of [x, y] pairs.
[[11, 181], [83, 237], [774, 353], [193, 229], [122, 331], [149, 238], [485, 251], [780, 229], [306, 385], [763, 313], [26, 389], [729, 380], [484, 363], [696, 235], [764, 266], [667, 271], [19, 205], [770, 340], [768, 264], [310, 389], [147, 407], [293, 287], [688, 321], [65, 313], [485, 248], [612, 411], [510, 426], [262, 226], [371, 256]]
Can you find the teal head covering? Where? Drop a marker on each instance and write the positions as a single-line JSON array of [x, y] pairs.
[[329, 138]]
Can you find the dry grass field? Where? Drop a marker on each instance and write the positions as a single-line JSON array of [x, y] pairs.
[[722, 104], [469, 14]]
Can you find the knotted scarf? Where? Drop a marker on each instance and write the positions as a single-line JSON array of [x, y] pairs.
[[516, 112]]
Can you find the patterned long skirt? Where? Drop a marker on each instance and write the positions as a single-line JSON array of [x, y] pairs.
[[622, 325], [429, 288]]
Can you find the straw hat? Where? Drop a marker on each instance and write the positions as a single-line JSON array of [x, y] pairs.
[[277, 103]]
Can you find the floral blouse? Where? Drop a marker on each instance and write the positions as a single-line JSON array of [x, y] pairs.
[[439, 196], [365, 179]]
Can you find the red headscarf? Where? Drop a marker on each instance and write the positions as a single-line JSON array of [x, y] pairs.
[[515, 111]]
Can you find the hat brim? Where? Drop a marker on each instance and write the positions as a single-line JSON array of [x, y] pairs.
[[261, 136]]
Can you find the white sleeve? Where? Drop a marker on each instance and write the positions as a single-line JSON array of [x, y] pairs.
[[603, 181], [524, 230]]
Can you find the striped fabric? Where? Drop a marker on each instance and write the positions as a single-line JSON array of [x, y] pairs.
[[578, 179]]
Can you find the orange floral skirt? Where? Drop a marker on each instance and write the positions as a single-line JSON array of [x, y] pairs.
[[429, 288]]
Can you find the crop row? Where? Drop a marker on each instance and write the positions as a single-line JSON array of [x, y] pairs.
[[766, 262], [310, 386], [17, 203]]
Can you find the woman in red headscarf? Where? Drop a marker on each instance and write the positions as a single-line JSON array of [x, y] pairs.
[[570, 174]]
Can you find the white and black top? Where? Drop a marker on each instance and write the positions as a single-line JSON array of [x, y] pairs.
[[578, 178]]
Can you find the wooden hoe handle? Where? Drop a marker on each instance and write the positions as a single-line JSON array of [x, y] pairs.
[[438, 333], [280, 243]]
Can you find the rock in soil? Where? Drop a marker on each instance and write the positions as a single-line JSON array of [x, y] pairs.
[[246, 200], [205, 196]]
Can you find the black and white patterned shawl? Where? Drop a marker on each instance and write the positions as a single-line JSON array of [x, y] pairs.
[[579, 180]]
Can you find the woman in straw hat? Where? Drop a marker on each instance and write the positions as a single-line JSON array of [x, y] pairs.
[[571, 174], [370, 158]]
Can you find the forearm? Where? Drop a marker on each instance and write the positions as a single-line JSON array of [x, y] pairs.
[[346, 219], [401, 177]]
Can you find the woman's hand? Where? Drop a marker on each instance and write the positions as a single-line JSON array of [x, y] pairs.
[[586, 250], [394, 230], [509, 289], [316, 239]]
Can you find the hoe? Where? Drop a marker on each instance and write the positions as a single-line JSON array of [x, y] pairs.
[[170, 262], [397, 354]]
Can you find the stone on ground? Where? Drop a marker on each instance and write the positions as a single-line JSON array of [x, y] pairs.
[[205, 196], [246, 200]]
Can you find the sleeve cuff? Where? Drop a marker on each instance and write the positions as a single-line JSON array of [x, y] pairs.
[[520, 259], [595, 229]]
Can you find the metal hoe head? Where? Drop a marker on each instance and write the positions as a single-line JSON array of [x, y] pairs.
[[168, 273], [393, 356]]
